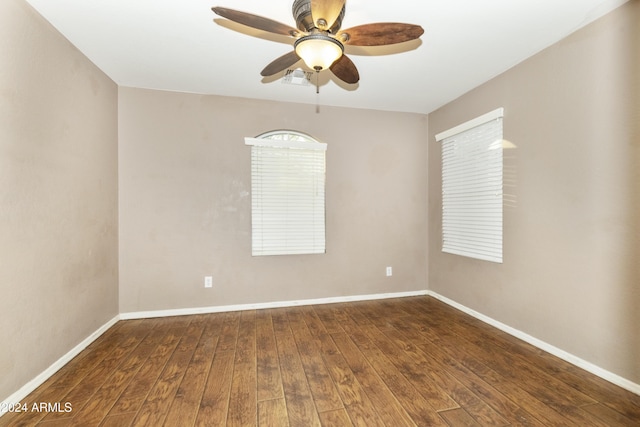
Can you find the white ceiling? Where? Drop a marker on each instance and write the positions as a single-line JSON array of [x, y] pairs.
[[175, 45]]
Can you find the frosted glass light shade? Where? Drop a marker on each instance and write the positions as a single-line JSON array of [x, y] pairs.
[[318, 51]]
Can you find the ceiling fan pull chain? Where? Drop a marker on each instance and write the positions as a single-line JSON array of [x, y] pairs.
[[317, 91]]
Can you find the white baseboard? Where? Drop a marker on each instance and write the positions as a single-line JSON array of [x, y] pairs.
[[568, 357], [259, 306], [19, 395]]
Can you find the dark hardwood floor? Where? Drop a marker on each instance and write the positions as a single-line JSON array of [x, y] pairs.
[[400, 362]]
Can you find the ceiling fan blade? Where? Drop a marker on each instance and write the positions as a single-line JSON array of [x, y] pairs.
[[255, 21], [281, 63], [380, 34], [327, 11], [345, 70]]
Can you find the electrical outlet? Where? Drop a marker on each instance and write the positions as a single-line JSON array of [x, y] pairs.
[[208, 281], [389, 271]]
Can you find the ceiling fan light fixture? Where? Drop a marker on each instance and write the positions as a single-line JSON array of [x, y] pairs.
[[319, 41], [318, 51]]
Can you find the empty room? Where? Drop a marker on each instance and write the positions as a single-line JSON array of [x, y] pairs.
[[319, 212]]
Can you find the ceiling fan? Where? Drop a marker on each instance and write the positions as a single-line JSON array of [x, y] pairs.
[[318, 38]]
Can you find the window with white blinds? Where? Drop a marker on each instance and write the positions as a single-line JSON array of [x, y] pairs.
[[472, 188], [287, 194]]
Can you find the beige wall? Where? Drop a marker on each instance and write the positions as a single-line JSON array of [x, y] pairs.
[[571, 274], [185, 202], [58, 196]]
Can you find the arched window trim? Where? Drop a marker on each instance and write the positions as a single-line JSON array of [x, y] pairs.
[[287, 135]]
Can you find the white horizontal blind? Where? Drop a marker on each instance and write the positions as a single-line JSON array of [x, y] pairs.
[[287, 197], [472, 189]]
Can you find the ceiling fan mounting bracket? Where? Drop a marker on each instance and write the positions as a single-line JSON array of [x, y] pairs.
[[301, 10]]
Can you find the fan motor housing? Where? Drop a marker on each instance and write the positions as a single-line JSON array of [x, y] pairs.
[[301, 10]]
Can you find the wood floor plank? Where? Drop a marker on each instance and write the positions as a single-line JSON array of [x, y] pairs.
[[621, 401], [463, 388], [102, 401], [71, 375], [560, 408], [520, 397], [563, 392], [335, 418], [537, 381], [158, 401], [357, 404], [611, 417], [120, 420], [459, 418], [185, 405], [561, 401], [60, 422], [301, 409], [74, 371], [331, 325], [553, 393], [386, 404], [324, 393], [82, 392], [380, 311], [229, 332], [434, 383], [389, 369], [363, 416], [273, 413], [418, 408], [269, 380], [135, 394], [214, 405], [391, 362], [501, 403], [243, 395], [315, 325], [532, 404]]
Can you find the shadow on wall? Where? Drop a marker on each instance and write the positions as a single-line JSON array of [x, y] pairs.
[[510, 177]]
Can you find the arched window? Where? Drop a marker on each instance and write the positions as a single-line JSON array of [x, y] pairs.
[[287, 193], [287, 135]]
